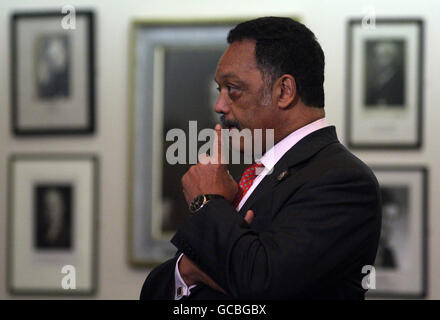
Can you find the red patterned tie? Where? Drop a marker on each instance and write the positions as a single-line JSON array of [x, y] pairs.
[[246, 180]]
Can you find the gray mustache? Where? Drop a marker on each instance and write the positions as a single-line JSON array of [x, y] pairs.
[[229, 123]]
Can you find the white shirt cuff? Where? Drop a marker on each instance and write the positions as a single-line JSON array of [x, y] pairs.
[[181, 289]]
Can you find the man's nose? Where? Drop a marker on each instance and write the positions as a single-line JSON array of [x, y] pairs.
[[221, 106]]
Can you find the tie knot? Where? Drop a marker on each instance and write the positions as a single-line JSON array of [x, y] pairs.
[[252, 171], [253, 168]]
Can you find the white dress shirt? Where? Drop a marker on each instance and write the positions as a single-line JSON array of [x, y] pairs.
[[269, 160]]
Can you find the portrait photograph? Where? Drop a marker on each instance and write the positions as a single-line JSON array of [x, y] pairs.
[[52, 223], [401, 266], [384, 84], [392, 245], [385, 73], [52, 74], [53, 216]]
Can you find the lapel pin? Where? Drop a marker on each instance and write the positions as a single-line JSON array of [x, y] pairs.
[[282, 175]]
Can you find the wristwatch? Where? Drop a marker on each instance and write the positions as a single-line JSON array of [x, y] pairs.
[[198, 202]]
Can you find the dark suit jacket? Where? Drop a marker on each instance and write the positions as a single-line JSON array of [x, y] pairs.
[[314, 229]]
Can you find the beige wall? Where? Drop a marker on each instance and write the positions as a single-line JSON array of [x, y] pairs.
[[117, 280]]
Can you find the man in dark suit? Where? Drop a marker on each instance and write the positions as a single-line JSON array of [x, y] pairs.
[[306, 225]]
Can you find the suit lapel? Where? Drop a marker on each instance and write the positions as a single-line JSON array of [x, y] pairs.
[[300, 152]]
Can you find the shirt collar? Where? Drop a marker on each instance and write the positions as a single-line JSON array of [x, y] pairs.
[[274, 154]]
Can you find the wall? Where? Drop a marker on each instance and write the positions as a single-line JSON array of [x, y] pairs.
[[117, 280]]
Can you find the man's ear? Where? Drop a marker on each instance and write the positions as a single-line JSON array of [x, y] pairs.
[[287, 91]]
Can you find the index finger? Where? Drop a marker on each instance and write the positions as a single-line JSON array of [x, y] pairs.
[[217, 155]]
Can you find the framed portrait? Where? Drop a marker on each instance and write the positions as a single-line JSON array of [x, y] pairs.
[[401, 261], [385, 84], [52, 231], [52, 73]]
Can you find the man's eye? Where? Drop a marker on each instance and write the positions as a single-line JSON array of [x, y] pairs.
[[232, 88], [218, 88]]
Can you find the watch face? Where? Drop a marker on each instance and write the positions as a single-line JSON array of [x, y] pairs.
[[197, 203]]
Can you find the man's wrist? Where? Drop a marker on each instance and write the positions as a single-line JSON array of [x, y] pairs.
[[181, 288], [201, 200]]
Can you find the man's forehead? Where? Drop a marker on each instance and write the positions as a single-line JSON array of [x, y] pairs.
[[239, 58], [226, 75]]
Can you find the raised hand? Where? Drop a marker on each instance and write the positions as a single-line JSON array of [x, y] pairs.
[[210, 175]]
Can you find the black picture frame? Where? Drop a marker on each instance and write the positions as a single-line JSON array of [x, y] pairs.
[[411, 256], [93, 246], [87, 107], [386, 135]]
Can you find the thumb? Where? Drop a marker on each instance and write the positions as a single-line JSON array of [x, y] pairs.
[[249, 216]]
